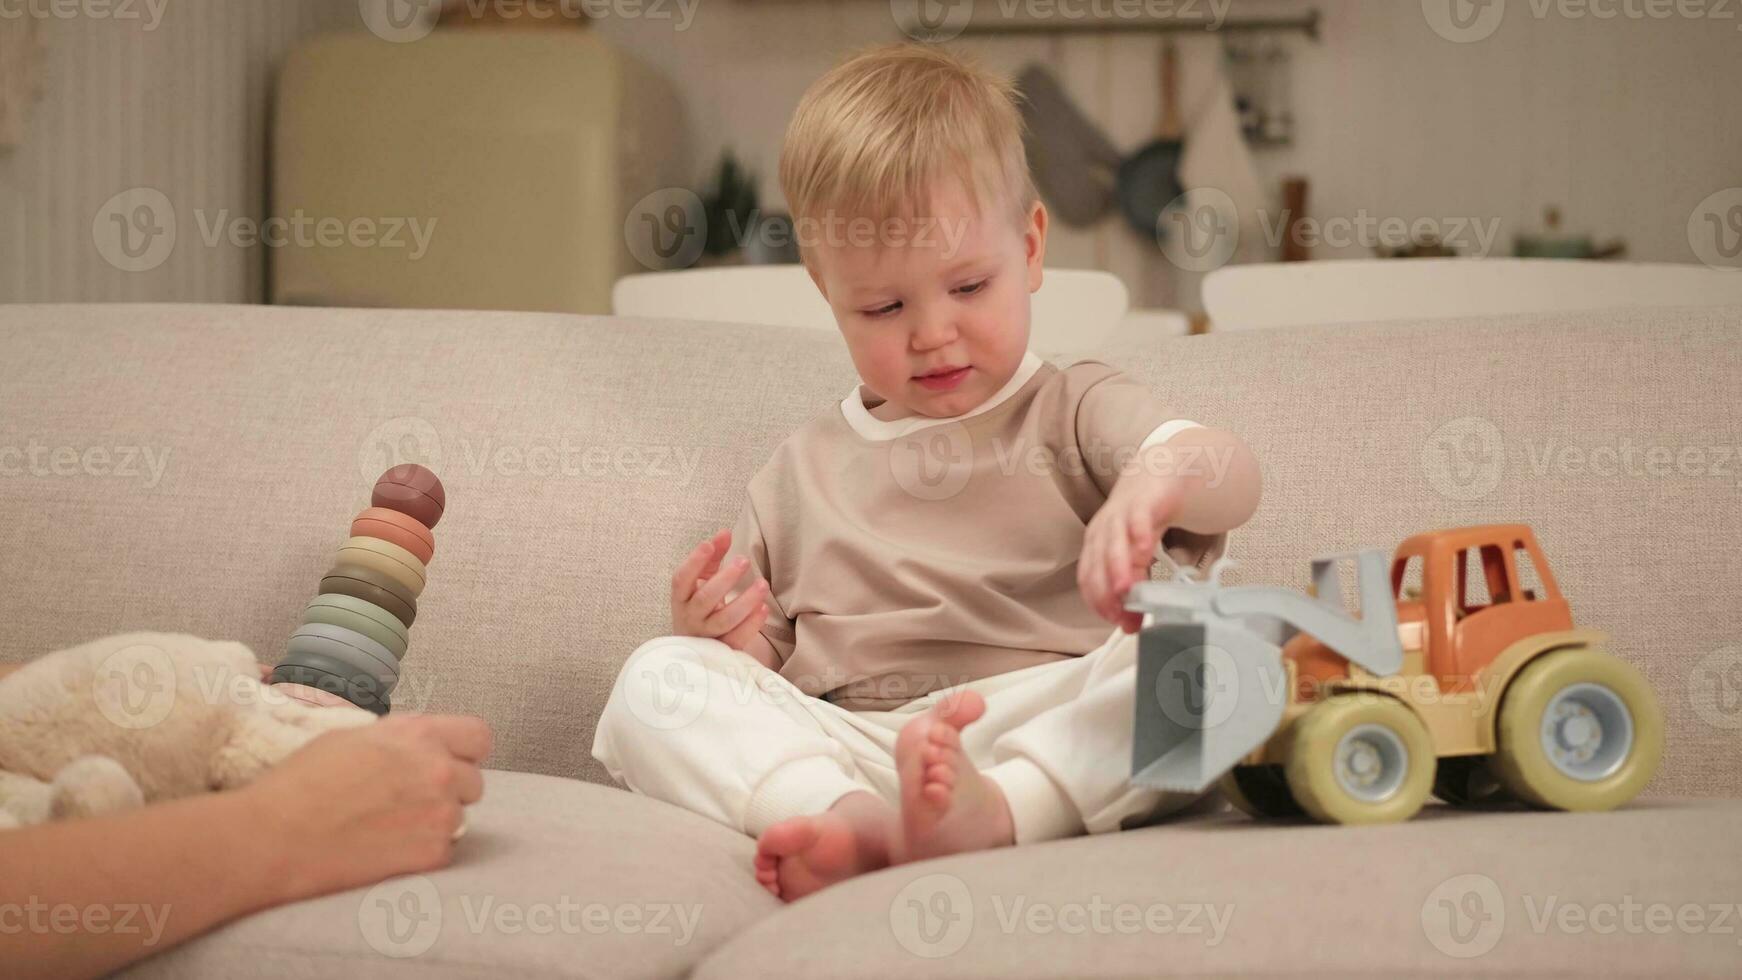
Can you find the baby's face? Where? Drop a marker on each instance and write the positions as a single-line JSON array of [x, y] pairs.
[[935, 314]]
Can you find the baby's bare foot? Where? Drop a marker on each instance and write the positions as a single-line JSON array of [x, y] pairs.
[[947, 806], [801, 855]]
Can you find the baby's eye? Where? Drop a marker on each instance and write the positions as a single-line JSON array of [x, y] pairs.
[[882, 310], [972, 288]]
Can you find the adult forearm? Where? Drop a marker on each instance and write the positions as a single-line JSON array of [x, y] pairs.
[[1219, 474], [85, 897]]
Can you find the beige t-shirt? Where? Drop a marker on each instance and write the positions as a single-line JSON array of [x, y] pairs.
[[915, 554]]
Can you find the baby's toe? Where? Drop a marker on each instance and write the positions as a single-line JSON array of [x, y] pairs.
[[786, 838], [943, 736], [962, 709]]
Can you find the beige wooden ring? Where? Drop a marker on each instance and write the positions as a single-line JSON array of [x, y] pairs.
[[385, 557]]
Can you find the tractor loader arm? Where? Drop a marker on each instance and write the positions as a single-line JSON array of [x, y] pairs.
[[1370, 642]]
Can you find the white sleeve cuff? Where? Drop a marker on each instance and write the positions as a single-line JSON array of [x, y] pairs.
[[1166, 431]]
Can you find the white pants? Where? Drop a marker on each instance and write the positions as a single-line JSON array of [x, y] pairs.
[[697, 724]]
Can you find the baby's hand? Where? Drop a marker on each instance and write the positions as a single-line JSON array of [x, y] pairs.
[[700, 605], [1119, 543]]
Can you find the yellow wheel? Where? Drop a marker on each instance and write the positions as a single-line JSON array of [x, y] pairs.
[[1578, 730], [1259, 791], [1360, 758]]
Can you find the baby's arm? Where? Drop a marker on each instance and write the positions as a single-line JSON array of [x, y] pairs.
[[1217, 475], [1201, 480]]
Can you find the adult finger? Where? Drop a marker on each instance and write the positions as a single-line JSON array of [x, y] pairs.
[[468, 782], [311, 696], [463, 736]]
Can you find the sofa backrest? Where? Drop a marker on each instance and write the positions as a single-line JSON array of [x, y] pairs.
[[194, 468]]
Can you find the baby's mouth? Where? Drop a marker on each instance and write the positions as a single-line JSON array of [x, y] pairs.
[[945, 378]]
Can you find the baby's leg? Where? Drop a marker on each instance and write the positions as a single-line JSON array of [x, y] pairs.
[[948, 805], [1062, 749], [695, 723]]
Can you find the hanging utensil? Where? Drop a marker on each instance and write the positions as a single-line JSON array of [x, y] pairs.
[[1149, 178], [1075, 166]]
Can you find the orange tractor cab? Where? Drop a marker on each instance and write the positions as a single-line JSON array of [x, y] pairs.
[[1460, 673]]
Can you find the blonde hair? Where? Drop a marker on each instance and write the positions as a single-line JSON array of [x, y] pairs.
[[875, 135]]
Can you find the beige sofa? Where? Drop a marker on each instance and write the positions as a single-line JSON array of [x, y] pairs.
[[584, 455]]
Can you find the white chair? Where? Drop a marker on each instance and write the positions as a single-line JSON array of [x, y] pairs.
[[1247, 297], [1074, 310]]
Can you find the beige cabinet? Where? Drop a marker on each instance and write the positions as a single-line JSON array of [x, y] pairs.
[[476, 169]]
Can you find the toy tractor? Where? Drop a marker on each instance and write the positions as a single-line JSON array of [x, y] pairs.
[[1472, 687]]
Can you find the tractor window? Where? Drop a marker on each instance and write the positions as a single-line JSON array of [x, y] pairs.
[[1406, 581], [1529, 583], [1483, 573]]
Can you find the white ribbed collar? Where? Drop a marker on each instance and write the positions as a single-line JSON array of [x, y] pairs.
[[860, 419]]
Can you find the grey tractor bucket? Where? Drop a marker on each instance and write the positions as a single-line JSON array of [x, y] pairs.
[[1211, 685]]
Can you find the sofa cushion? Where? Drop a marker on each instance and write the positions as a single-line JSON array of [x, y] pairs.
[[584, 456], [1652, 890], [554, 878]]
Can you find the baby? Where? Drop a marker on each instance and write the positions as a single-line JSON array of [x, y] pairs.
[[902, 649]]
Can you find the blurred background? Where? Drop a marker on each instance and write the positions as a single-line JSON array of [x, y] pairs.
[[518, 154]]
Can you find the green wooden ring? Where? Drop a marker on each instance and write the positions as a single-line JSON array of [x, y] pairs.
[[364, 617]]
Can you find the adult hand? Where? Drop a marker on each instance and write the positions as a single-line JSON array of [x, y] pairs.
[[312, 696], [373, 802]]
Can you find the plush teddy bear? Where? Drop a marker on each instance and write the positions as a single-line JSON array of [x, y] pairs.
[[140, 717]]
